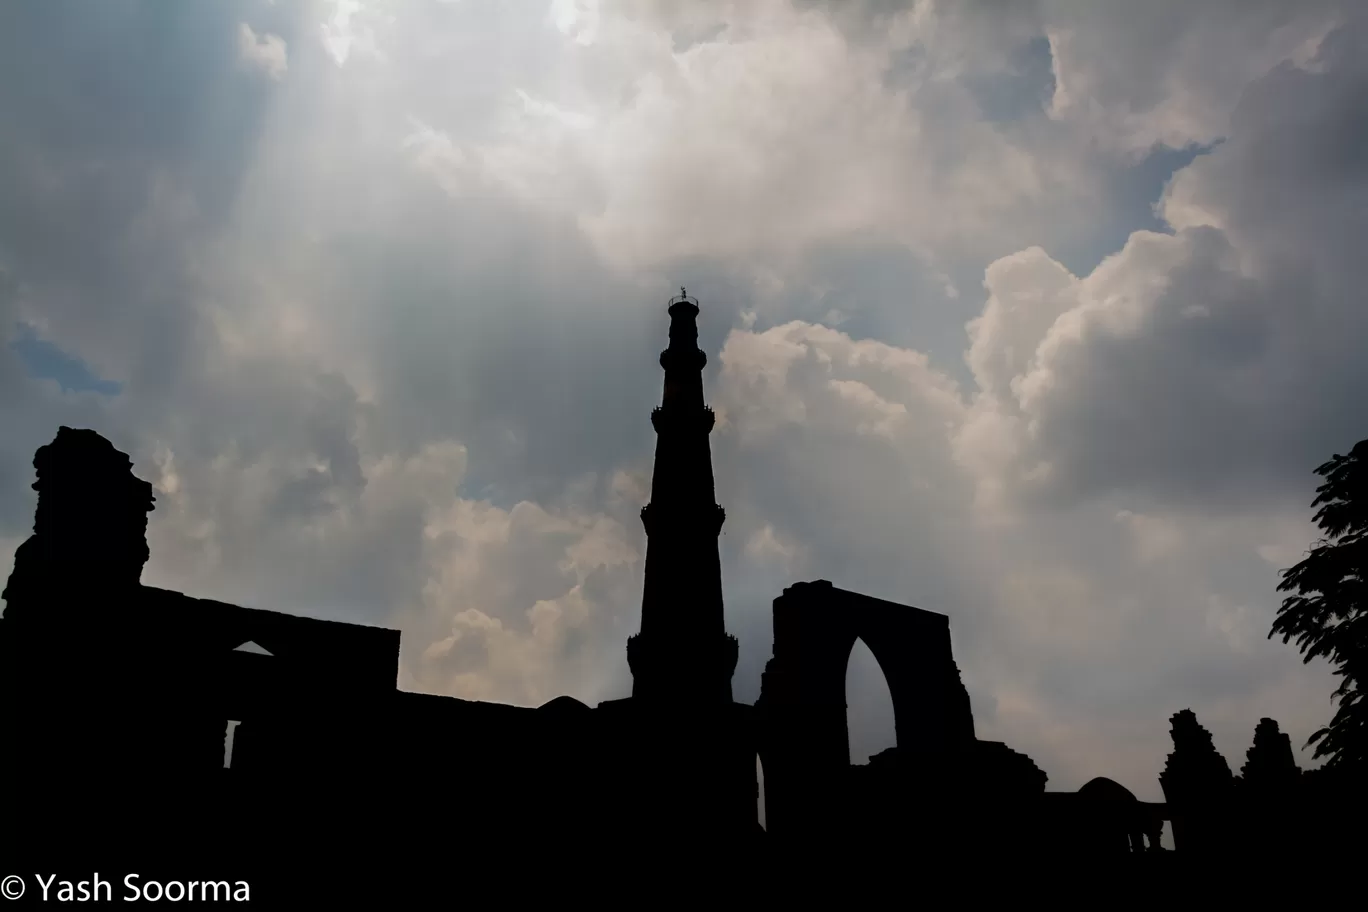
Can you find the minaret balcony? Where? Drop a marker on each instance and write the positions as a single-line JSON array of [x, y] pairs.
[[683, 359], [674, 419], [713, 515], [702, 670]]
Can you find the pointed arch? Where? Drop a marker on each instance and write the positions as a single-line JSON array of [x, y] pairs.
[[870, 717]]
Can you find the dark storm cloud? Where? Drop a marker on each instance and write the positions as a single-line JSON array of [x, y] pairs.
[[99, 103], [505, 330], [1221, 363]]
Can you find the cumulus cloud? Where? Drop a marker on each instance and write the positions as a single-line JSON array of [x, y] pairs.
[[767, 545], [750, 131], [266, 52], [553, 582], [1171, 72], [1209, 362], [350, 25], [577, 19]]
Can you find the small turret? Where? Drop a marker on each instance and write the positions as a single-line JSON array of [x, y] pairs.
[[1270, 767], [90, 528]]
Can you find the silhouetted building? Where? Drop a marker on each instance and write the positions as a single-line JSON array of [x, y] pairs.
[[806, 745], [1270, 768], [120, 701], [683, 653], [688, 749], [940, 790], [1198, 786]]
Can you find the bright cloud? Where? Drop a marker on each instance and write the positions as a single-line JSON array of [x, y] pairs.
[[266, 52]]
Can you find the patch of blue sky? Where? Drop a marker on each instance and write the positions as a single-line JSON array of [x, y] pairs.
[[47, 361]]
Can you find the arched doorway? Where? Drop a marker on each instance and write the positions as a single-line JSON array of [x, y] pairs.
[[803, 695], [870, 726]]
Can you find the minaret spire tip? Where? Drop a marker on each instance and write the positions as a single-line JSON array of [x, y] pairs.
[[683, 303]]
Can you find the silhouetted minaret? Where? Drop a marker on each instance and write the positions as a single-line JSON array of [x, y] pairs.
[[683, 651]]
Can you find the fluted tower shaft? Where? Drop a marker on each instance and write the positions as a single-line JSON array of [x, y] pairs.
[[683, 651]]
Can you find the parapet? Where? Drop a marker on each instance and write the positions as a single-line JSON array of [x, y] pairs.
[[803, 593]]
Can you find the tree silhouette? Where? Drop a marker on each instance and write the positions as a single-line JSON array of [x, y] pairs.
[[1329, 614]]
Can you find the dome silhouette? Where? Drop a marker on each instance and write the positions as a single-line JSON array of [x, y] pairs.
[[1104, 789]]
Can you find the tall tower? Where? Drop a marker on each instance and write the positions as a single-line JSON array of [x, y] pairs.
[[683, 652]]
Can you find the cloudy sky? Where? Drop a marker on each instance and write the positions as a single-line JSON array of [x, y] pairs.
[[1038, 314]]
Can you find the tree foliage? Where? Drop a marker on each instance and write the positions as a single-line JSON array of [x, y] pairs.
[[1328, 614]]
